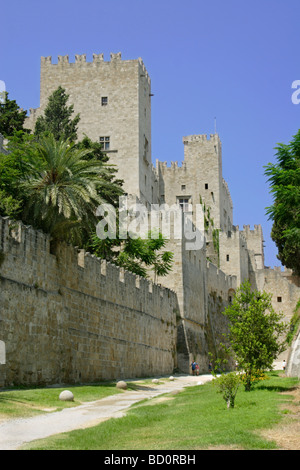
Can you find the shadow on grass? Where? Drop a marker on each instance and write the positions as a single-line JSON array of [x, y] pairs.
[[63, 386], [275, 388], [136, 387]]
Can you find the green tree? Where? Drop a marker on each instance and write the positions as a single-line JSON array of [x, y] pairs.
[[62, 189], [12, 117], [138, 255], [57, 117], [284, 179], [114, 187], [12, 170], [147, 253], [255, 332]]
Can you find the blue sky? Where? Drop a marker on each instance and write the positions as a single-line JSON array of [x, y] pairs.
[[233, 60]]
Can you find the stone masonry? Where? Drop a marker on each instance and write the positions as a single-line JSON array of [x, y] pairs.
[[113, 99], [70, 317]]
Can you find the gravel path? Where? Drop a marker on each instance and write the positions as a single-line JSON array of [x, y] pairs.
[[16, 432]]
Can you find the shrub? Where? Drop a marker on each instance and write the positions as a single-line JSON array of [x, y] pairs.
[[228, 385]]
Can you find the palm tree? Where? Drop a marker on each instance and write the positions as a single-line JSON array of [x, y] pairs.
[[63, 189]]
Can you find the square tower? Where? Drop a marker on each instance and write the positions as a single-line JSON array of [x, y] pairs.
[[113, 99], [199, 178]]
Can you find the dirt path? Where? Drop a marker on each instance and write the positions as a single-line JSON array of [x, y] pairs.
[[287, 433], [16, 432]]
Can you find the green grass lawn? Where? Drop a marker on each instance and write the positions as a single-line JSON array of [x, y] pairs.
[[196, 418], [25, 402]]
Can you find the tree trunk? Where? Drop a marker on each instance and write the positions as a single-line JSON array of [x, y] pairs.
[[230, 403], [248, 383]]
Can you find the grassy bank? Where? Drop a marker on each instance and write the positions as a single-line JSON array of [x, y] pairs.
[[196, 418], [20, 403]]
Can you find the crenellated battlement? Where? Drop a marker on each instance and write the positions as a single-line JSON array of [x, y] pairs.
[[256, 231], [219, 281], [34, 112], [25, 241], [80, 59], [98, 61], [247, 233], [282, 270], [202, 138], [173, 166]]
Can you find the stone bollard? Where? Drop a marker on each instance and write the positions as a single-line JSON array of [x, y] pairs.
[[66, 395], [121, 385]]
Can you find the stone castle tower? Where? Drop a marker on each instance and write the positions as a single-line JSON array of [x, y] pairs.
[[113, 99]]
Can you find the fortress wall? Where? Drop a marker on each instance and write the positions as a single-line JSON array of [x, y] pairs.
[[71, 317], [254, 239], [203, 293], [285, 294], [188, 279], [234, 255]]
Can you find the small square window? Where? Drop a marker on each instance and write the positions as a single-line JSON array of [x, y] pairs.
[[105, 141], [104, 101], [183, 187], [279, 299]]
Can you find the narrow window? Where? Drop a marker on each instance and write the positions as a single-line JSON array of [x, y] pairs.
[[183, 187], [146, 147], [184, 204], [227, 257], [104, 101], [206, 185]]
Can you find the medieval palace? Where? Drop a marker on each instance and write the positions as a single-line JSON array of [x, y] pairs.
[[106, 323]]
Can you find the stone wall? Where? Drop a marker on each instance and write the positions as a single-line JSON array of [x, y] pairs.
[[285, 294], [234, 255], [293, 361], [69, 317], [203, 294]]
